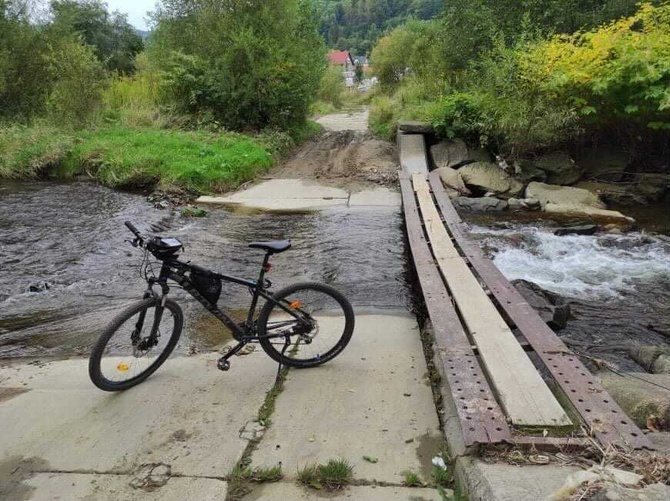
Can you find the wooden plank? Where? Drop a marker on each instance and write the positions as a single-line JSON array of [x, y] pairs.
[[481, 419], [523, 393], [596, 407]]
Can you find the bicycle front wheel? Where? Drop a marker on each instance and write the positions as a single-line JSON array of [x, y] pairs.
[[127, 353], [317, 329]]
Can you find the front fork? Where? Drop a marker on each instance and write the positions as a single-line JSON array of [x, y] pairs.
[[151, 340]]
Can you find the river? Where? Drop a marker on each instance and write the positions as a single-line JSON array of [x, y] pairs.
[[67, 269]]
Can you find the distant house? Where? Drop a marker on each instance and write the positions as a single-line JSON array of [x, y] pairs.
[[343, 58], [362, 60]]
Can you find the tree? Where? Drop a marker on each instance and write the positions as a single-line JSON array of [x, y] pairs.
[[248, 63], [114, 41]]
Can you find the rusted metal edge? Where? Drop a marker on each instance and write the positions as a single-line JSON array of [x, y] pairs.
[[598, 410], [551, 442], [481, 418]]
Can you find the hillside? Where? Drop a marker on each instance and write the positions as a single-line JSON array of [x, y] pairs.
[[356, 25]]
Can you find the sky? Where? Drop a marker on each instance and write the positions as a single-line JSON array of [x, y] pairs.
[[136, 10]]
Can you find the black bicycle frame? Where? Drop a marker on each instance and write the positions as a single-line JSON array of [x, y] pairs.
[[175, 270]]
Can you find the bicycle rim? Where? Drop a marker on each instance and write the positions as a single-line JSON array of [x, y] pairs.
[[129, 352]]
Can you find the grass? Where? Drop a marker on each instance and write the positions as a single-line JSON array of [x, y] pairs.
[[440, 476], [32, 152], [241, 476], [124, 158], [333, 475], [411, 479]]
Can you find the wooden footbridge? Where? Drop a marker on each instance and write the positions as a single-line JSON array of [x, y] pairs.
[[510, 377]]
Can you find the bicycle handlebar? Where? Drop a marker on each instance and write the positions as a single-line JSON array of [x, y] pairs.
[[132, 228]]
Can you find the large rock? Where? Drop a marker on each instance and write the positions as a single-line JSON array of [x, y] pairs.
[[562, 195], [613, 193], [591, 213], [604, 164], [638, 398], [451, 178], [652, 186], [523, 204], [449, 153], [580, 229], [655, 359], [480, 155], [490, 178], [559, 168], [483, 204], [527, 172], [551, 307]]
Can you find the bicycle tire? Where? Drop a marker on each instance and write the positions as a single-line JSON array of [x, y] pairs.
[[269, 307], [94, 367]]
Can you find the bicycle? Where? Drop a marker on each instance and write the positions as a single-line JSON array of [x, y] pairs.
[[304, 317]]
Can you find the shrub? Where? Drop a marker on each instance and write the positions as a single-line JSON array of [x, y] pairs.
[[79, 80], [332, 85]]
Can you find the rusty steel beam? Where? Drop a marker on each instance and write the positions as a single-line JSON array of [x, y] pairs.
[[603, 418], [481, 418]]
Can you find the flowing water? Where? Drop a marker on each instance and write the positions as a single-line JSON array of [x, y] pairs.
[[67, 270], [618, 286]]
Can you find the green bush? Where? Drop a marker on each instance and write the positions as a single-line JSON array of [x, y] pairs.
[[332, 85], [79, 80]]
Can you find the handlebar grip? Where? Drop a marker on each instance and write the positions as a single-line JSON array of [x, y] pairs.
[[132, 228]]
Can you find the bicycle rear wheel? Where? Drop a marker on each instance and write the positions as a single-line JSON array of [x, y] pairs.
[[126, 354], [322, 329]]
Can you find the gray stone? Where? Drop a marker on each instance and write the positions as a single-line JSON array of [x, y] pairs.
[[562, 195], [559, 167], [480, 481], [582, 229], [551, 307], [523, 204], [661, 365], [591, 214], [613, 193], [646, 355], [480, 155], [415, 127], [491, 178], [482, 204], [612, 491], [527, 172], [451, 178], [604, 164], [637, 397], [449, 153], [652, 186]]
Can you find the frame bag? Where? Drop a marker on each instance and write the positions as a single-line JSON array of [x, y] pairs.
[[209, 287]]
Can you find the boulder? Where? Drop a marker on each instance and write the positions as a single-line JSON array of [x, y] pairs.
[[604, 164], [639, 399], [551, 307], [523, 204], [591, 213], [480, 155], [562, 195], [482, 204], [451, 178], [655, 359], [449, 153], [612, 491], [490, 178], [527, 172], [652, 186], [582, 229], [414, 127], [559, 168], [613, 193]]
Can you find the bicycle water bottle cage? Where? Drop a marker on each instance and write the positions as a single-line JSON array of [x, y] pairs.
[[163, 248]]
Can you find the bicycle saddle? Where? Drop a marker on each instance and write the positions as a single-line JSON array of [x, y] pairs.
[[272, 246]]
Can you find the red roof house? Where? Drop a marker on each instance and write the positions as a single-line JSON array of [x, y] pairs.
[[340, 57]]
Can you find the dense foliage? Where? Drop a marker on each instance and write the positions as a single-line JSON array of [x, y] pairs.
[[254, 63], [513, 76], [355, 25]]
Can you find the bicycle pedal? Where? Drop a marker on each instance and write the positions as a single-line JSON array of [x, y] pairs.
[[223, 365]]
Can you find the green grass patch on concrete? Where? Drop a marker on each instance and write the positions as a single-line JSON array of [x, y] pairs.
[[333, 475], [31, 152], [199, 161]]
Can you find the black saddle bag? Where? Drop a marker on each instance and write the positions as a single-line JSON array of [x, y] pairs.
[[208, 286]]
